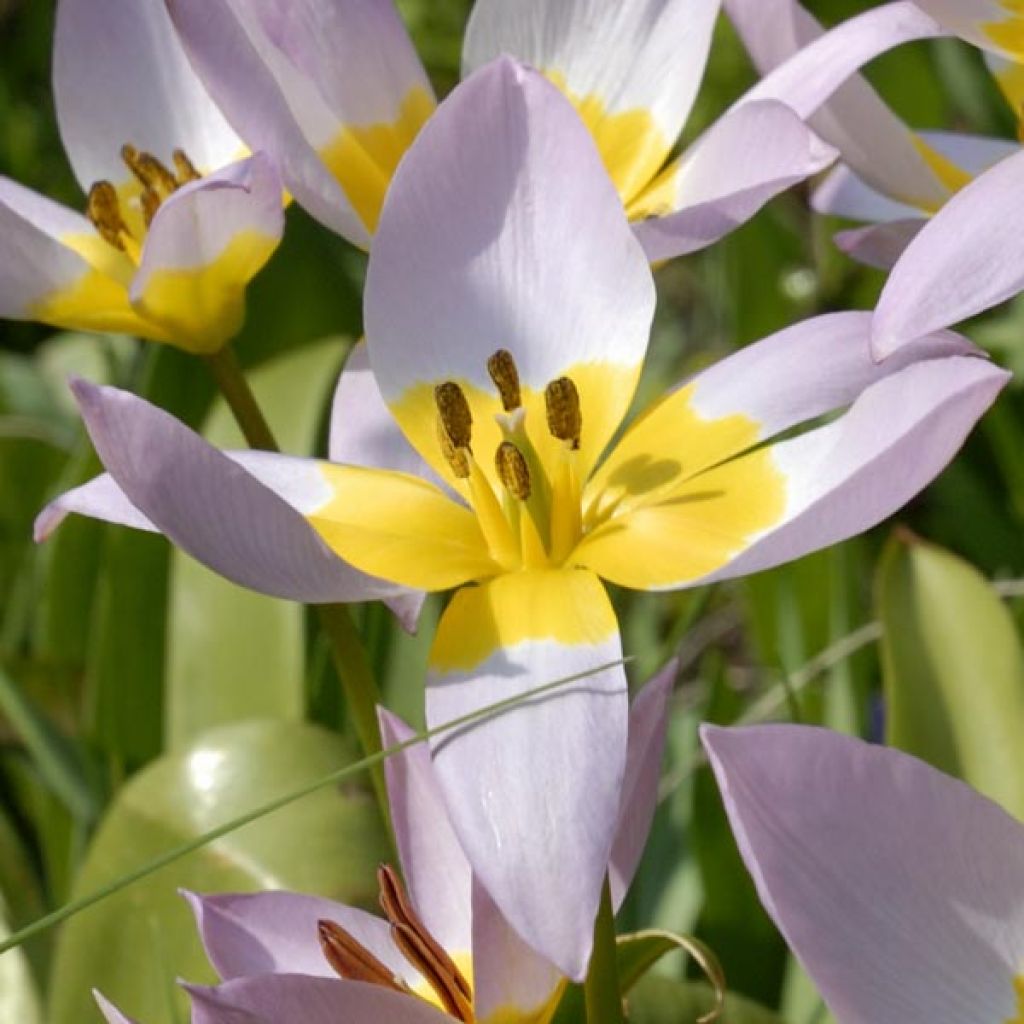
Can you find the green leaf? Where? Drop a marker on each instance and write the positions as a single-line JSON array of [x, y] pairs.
[[657, 1000], [133, 945], [232, 653], [953, 669]]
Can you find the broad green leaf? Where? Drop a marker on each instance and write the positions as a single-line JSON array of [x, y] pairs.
[[232, 653], [954, 670], [135, 944], [657, 1000]]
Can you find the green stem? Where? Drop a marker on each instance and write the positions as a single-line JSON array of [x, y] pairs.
[[347, 650], [601, 989], [227, 372], [361, 693]]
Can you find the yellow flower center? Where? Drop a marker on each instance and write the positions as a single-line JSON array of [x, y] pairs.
[[533, 520], [1018, 986]]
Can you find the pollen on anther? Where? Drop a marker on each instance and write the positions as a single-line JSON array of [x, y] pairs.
[[453, 408], [565, 418], [513, 471], [184, 169], [103, 208], [505, 374], [149, 171]]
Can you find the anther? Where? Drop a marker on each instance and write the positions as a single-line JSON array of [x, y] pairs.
[[152, 174], [421, 949], [457, 458], [150, 204], [513, 470], [351, 960], [565, 420], [455, 414], [103, 208], [184, 169], [502, 368]]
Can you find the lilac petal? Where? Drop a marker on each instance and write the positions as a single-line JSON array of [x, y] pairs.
[[994, 25], [248, 528], [843, 194], [38, 264], [645, 55], [112, 1014], [363, 430], [748, 156], [295, 998], [120, 76], [508, 976], [206, 242], [533, 792], [250, 934], [808, 78], [879, 245], [433, 864], [502, 230], [900, 889], [848, 114], [969, 257], [851, 474], [99, 498], [648, 725]]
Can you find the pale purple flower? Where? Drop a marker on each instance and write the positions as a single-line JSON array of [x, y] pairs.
[[442, 951], [334, 90], [179, 216], [900, 889], [503, 252]]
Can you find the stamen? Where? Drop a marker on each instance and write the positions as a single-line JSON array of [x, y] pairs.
[[513, 471], [152, 174], [502, 368], [150, 204], [352, 960], [422, 950], [457, 458], [565, 420], [455, 413], [103, 208], [184, 169]]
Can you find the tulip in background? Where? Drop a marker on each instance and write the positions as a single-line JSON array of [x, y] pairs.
[[444, 951], [508, 306], [900, 889], [178, 217], [335, 93]]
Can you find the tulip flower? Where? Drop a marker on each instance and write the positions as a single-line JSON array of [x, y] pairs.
[[890, 176], [443, 951], [508, 307], [335, 92], [900, 889], [177, 218], [967, 259]]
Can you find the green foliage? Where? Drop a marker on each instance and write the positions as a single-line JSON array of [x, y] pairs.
[[133, 945], [954, 669]]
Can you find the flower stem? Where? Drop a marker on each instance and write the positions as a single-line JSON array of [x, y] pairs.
[[601, 989], [347, 650], [227, 372]]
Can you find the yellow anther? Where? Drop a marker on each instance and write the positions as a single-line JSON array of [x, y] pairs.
[[151, 173], [455, 414], [184, 169], [457, 458], [103, 208], [513, 471], [565, 420], [502, 368]]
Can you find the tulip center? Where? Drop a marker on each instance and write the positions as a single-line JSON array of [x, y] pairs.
[[122, 215], [444, 985], [533, 520]]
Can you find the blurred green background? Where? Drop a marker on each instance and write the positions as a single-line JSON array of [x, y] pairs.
[[143, 700]]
